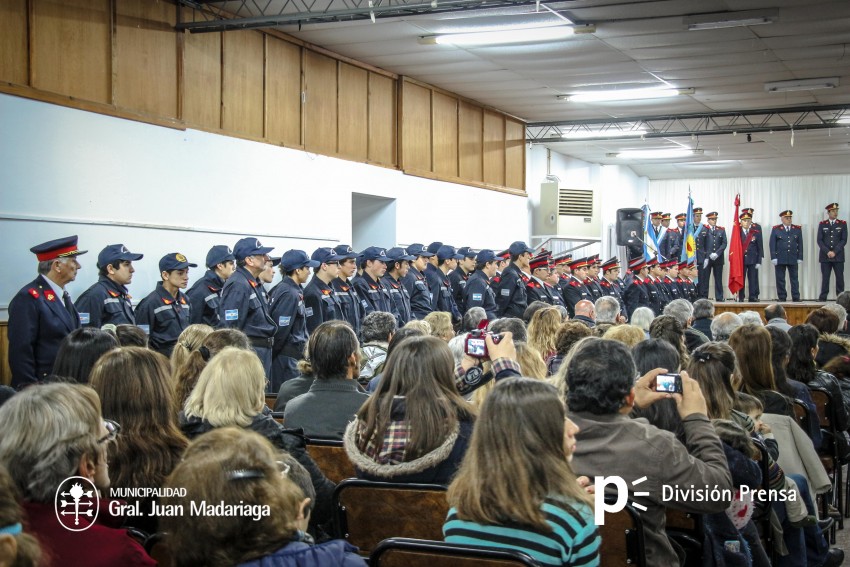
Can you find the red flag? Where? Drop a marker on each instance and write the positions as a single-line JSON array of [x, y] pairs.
[[736, 254]]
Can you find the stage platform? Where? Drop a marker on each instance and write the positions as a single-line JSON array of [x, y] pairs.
[[797, 312]]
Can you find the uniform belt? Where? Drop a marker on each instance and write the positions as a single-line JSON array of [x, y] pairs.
[[262, 342]]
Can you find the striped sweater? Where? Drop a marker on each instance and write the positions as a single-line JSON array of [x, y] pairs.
[[574, 539]]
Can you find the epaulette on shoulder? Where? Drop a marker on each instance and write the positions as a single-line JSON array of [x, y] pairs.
[[777, 226], [33, 292], [840, 221], [574, 283], [795, 226], [824, 221], [720, 227]]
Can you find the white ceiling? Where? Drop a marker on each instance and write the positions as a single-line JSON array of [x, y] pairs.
[[637, 43]]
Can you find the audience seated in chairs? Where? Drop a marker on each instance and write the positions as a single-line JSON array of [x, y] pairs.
[[543, 329], [522, 473], [131, 335], [294, 387], [188, 342], [240, 468], [135, 391], [840, 368], [703, 315], [49, 433], [753, 346], [231, 392], [683, 311], [78, 353], [404, 333], [568, 334], [187, 375], [723, 325]]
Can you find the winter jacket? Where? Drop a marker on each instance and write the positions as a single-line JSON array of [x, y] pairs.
[[335, 553]]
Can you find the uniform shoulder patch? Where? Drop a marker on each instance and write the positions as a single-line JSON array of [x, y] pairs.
[[795, 226], [824, 221], [574, 283], [113, 293], [720, 228], [777, 226], [841, 221], [33, 292]]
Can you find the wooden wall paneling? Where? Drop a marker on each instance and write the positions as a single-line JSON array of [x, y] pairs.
[[445, 134], [470, 126], [514, 154], [416, 127], [146, 57], [242, 95], [71, 48], [202, 78], [320, 104], [5, 371], [353, 105], [494, 148], [382, 119], [14, 50], [283, 92]]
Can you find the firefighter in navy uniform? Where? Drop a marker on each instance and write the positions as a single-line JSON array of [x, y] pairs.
[[437, 276], [592, 280], [373, 261], [289, 312], [320, 301], [671, 246], [415, 284], [712, 245], [832, 238], [242, 307], [108, 301], [460, 275], [670, 280], [352, 306], [609, 284], [398, 267], [205, 294], [636, 294], [478, 292], [537, 289], [510, 290], [648, 282], [752, 244], [560, 264], [165, 312], [576, 290], [786, 254], [41, 314]]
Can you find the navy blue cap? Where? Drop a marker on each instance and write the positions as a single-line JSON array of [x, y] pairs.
[[398, 254], [447, 252], [275, 261], [59, 248], [419, 250], [219, 254], [434, 246], [519, 247], [174, 261], [345, 252], [250, 246], [374, 253], [116, 253], [485, 256], [326, 256], [467, 252], [294, 259]]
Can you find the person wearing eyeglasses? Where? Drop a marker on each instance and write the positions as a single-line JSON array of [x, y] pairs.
[[242, 306], [51, 433]]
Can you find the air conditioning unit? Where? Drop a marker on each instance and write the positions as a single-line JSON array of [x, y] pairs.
[[567, 213]]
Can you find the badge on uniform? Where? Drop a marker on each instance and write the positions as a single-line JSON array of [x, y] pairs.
[[283, 321], [476, 297], [231, 315], [506, 292], [364, 303], [309, 312], [84, 318]]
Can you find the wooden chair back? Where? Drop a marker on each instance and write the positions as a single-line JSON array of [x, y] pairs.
[[331, 458], [623, 539], [405, 552]]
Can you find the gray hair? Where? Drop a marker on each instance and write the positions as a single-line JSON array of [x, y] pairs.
[[642, 317], [607, 308], [378, 326], [681, 310], [47, 430], [843, 299], [703, 309], [456, 345], [472, 318], [840, 311], [45, 266], [751, 318], [723, 325], [513, 324]]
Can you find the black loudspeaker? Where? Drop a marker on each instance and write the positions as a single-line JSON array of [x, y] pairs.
[[629, 227]]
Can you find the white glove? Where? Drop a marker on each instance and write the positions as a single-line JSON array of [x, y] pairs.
[[758, 266], [705, 264], [713, 256], [799, 261], [774, 261]]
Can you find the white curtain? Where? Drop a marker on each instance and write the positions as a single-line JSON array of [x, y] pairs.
[[807, 196]]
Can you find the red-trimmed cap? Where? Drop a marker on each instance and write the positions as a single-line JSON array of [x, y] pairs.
[[652, 262], [666, 216], [637, 264], [669, 264], [788, 213], [711, 215], [59, 248], [655, 215], [540, 261], [683, 265], [832, 207], [697, 210], [748, 210], [610, 264], [591, 260], [504, 255], [578, 263], [745, 216], [681, 216], [562, 259]]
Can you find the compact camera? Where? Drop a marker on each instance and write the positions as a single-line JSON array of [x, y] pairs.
[[670, 383], [475, 345]]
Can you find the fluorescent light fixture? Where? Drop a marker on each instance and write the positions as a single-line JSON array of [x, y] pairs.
[[845, 120], [655, 154], [508, 35], [801, 85], [721, 20], [610, 133], [626, 94]]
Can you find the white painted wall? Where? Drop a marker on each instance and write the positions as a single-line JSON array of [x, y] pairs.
[[159, 190]]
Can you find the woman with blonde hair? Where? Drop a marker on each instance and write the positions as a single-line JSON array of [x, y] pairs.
[[231, 392], [529, 360], [187, 375], [189, 341], [441, 325], [241, 469], [516, 489], [629, 335], [543, 330]]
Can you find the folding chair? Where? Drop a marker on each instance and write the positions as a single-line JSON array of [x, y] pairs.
[[623, 538], [687, 530], [271, 399], [405, 552], [331, 458], [829, 454]]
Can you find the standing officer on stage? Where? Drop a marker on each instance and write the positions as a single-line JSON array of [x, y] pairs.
[[713, 245], [510, 291], [437, 275], [415, 282], [478, 292], [368, 285], [353, 308], [832, 238], [242, 306], [786, 253], [460, 275], [753, 247], [164, 313], [320, 301], [108, 300], [397, 268], [205, 295], [289, 312], [41, 314], [671, 246]]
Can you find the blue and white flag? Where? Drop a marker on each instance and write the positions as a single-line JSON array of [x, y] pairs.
[[650, 240]]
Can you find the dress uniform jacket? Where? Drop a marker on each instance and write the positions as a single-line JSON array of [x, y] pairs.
[[655, 299], [320, 303], [353, 307], [401, 299], [38, 321], [673, 290], [458, 278], [478, 293], [636, 295], [832, 238], [752, 244], [786, 246], [441, 290], [593, 288], [376, 296], [165, 317], [671, 246], [510, 292], [420, 297], [290, 313], [613, 289], [205, 299], [537, 290], [575, 292], [105, 302], [243, 308], [563, 282], [713, 241]]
